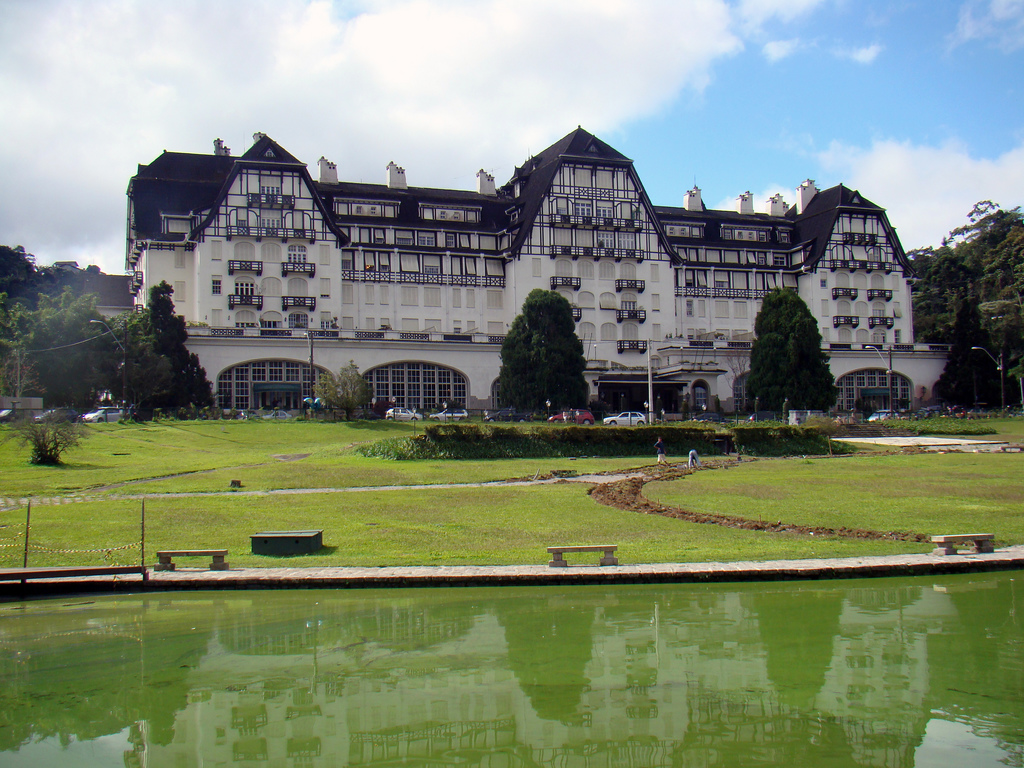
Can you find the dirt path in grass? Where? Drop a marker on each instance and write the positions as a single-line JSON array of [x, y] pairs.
[[627, 494]]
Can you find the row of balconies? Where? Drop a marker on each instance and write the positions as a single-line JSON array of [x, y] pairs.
[[256, 301], [873, 322], [422, 278], [257, 200], [259, 232], [710, 292], [858, 238], [602, 222], [851, 293], [595, 252], [287, 268], [855, 264], [560, 281]]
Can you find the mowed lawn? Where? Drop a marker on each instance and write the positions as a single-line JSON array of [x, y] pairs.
[[81, 510]]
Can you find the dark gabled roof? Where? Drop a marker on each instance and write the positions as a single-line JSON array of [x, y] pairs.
[[537, 173], [175, 183], [492, 208], [266, 150], [715, 220], [815, 225]]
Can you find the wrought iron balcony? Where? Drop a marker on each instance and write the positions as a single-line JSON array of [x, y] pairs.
[[256, 200], [570, 282], [577, 313], [879, 293], [875, 322], [244, 300], [639, 315], [245, 266], [298, 268], [287, 302], [839, 293], [595, 252], [838, 320], [630, 285], [259, 232], [631, 345], [858, 238], [855, 264]]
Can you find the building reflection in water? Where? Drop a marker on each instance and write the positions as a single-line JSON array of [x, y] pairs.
[[847, 673]]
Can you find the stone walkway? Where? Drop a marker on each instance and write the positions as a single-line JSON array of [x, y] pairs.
[[1009, 558]]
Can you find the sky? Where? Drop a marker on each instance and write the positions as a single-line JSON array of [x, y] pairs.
[[919, 104]]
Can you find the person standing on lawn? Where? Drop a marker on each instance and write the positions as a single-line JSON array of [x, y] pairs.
[[659, 448]]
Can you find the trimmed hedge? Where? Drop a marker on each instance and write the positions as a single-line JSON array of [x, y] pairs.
[[472, 441]]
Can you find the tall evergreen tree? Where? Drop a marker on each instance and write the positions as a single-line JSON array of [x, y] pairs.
[[188, 384], [541, 357], [786, 361]]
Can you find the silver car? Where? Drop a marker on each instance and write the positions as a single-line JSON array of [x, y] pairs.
[[402, 414], [627, 419]]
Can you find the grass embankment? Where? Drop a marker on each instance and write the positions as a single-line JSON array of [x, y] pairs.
[[928, 493]]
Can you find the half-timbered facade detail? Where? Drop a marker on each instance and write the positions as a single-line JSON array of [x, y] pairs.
[[272, 268]]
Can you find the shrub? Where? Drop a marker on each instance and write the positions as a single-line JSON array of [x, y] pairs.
[[49, 439]]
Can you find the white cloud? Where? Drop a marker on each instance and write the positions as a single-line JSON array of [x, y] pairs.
[[776, 50], [1001, 21], [91, 89], [753, 14], [927, 190], [864, 55]]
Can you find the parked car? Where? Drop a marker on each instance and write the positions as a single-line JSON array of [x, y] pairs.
[[103, 415], [60, 414], [709, 416], [627, 419], [507, 414], [450, 414], [402, 414], [278, 414], [575, 416]]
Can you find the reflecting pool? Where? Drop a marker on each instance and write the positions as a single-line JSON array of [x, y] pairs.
[[882, 672]]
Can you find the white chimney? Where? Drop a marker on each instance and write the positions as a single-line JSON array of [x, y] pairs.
[[775, 205], [485, 183], [220, 150], [257, 136], [396, 177], [804, 194], [328, 171], [745, 203], [692, 201]]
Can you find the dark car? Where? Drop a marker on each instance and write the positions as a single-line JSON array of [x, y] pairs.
[[507, 414], [60, 414], [709, 416]]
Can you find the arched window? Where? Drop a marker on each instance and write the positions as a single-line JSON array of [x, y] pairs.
[[245, 286], [586, 331], [296, 286], [418, 385], [245, 318], [296, 254], [700, 396], [585, 299], [843, 308], [608, 332], [870, 386], [245, 251], [585, 269], [265, 384], [271, 286], [630, 331], [606, 270], [842, 280], [607, 300], [627, 270], [270, 253], [270, 320], [563, 268], [739, 392], [845, 336], [877, 281]]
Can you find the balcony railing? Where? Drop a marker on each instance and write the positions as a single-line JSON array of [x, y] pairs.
[[630, 285], [875, 322], [630, 314], [287, 302], [244, 300], [298, 268], [858, 238], [838, 320], [595, 252], [277, 332], [256, 200], [879, 293], [559, 281], [840, 293], [632, 345], [855, 264], [245, 266], [704, 291], [577, 313], [373, 276], [251, 230], [605, 222]]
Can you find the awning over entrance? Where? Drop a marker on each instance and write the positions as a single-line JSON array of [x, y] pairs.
[[276, 386]]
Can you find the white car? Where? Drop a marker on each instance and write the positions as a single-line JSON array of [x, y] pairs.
[[402, 414], [277, 415], [450, 414], [626, 418], [103, 415]]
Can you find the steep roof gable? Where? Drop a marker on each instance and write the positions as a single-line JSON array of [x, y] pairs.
[[266, 150]]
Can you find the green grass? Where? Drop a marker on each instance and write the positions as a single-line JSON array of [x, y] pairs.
[[927, 493]]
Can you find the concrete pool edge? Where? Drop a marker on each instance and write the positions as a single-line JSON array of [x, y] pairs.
[[1004, 559]]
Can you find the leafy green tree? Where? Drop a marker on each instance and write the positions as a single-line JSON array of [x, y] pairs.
[[189, 384], [541, 357], [786, 361], [345, 391], [966, 379]]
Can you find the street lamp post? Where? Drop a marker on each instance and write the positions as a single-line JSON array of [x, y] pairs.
[[124, 363], [312, 370], [999, 367]]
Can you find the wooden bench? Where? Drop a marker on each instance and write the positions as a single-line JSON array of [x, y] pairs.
[[946, 545], [608, 558], [217, 555]]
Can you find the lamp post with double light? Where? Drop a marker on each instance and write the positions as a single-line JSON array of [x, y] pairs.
[[999, 367]]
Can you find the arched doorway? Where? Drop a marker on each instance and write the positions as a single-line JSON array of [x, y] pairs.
[[418, 385], [870, 387], [265, 384]]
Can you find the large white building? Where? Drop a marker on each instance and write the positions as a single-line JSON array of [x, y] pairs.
[[273, 269]]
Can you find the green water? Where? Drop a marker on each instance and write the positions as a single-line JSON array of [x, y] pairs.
[[884, 672]]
